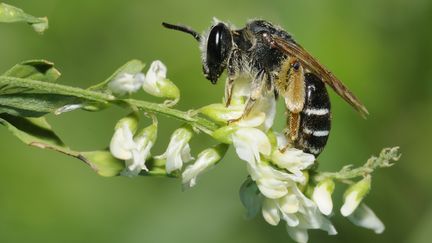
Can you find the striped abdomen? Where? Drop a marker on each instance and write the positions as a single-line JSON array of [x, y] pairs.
[[315, 118]]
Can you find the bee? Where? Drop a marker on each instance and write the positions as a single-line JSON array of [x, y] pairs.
[[275, 62]]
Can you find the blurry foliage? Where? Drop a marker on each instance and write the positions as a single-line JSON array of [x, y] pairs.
[[380, 49]]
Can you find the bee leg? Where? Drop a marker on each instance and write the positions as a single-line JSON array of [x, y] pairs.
[[229, 86], [258, 86], [233, 69], [291, 134]]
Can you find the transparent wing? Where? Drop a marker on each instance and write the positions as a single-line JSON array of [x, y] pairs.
[[314, 66]]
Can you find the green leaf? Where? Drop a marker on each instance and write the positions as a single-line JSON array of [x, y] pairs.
[[34, 104], [41, 70], [133, 66], [11, 14], [38, 133], [31, 131]]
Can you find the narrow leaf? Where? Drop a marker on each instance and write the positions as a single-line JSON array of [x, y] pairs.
[[38, 133], [34, 104], [41, 70], [31, 130]]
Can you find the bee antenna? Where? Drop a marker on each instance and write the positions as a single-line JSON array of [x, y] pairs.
[[184, 29]]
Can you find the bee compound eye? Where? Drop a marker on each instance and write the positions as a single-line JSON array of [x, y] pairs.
[[219, 44], [216, 41]]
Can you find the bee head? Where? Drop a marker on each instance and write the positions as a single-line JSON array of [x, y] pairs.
[[215, 46], [216, 50]]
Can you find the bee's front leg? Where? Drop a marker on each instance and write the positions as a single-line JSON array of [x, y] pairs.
[[257, 88], [229, 86]]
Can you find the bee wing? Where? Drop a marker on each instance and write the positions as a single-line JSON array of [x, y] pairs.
[[293, 49]]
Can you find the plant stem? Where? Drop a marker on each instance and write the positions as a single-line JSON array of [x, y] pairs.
[[200, 123], [196, 121], [385, 159]]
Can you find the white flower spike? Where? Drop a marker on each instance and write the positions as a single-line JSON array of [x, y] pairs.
[[178, 151], [157, 84], [354, 195], [126, 83], [322, 196], [206, 159]]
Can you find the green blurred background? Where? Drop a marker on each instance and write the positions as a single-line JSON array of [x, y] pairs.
[[381, 49]]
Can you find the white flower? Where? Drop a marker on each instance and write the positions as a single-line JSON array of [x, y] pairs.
[[364, 217], [133, 149], [126, 83], [206, 159], [322, 196], [122, 142], [354, 195], [266, 105], [293, 160], [157, 84], [299, 213], [178, 151], [270, 212], [143, 142], [250, 143]]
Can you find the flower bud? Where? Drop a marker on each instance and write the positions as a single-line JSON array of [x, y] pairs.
[[222, 114], [157, 84], [206, 159], [122, 140], [354, 195], [126, 83], [223, 134], [322, 196]]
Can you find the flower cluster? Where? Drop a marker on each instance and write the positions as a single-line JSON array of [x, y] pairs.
[[278, 185], [279, 179], [133, 146]]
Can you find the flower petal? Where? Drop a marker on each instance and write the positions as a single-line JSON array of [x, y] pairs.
[[298, 234], [270, 212], [206, 159], [322, 196], [122, 143], [249, 143], [289, 204], [364, 217], [126, 83]]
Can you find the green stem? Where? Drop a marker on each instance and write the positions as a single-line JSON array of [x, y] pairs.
[[385, 159], [39, 86], [195, 121]]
